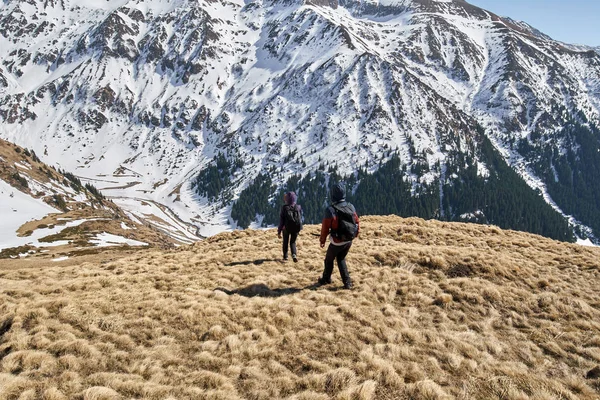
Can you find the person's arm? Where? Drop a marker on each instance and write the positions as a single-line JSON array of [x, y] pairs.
[[301, 216], [325, 227], [281, 221]]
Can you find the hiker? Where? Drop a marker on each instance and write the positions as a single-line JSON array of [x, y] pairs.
[[290, 222], [341, 222]]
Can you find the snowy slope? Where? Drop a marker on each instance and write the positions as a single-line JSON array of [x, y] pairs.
[[16, 208], [137, 98], [44, 208]]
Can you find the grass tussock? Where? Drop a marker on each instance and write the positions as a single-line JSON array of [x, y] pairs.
[[440, 311]]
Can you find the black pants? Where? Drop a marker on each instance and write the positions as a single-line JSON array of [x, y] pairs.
[[292, 242], [338, 253]]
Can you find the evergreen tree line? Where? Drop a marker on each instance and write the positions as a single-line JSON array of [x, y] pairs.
[[253, 201], [214, 179], [311, 189], [94, 191], [387, 191], [503, 197], [72, 181], [76, 184], [573, 176]]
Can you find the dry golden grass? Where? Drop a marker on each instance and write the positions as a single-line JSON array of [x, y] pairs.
[[440, 311]]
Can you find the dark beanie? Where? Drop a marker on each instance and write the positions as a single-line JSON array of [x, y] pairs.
[[338, 192], [291, 198]]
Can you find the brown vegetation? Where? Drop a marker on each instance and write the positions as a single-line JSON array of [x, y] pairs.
[[440, 311]]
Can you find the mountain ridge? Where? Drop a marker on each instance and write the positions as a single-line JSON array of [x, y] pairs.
[[164, 88]]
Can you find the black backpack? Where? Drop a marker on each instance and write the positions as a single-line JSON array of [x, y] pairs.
[[347, 227], [293, 221]]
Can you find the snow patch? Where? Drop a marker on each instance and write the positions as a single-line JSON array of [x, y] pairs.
[[162, 218], [482, 170], [586, 242], [23, 166], [17, 208], [107, 239]]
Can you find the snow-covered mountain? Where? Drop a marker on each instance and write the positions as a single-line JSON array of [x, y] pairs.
[[139, 97], [44, 210]]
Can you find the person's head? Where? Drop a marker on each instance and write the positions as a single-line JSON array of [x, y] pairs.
[[291, 198], [338, 192]]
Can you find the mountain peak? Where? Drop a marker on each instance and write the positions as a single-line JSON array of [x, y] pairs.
[[324, 3], [194, 104], [524, 26]]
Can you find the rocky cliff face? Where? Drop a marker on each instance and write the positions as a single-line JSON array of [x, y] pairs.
[[161, 88]]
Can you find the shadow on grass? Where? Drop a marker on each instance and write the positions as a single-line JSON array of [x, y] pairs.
[[252, 262], [262, 290]]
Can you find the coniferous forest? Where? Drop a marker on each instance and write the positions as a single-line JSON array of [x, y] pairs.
[[573, 177], [499, 197], [504, 199]]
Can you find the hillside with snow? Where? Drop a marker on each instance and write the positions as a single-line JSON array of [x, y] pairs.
[[141, 98], [16, 209], [50, 214]]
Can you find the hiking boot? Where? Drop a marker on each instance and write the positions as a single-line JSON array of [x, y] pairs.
[[294, 258], [322, 281], [285, 258], [348, 285]]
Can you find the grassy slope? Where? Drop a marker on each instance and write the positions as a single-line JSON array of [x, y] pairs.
[[441, 310]]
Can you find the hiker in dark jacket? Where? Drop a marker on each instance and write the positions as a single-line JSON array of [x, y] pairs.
[[341, 223], [290, 223]]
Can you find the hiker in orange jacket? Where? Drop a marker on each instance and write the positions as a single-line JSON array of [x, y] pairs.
[[342, 224]]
